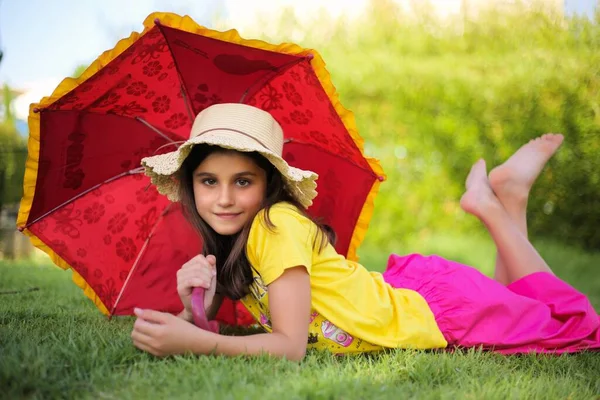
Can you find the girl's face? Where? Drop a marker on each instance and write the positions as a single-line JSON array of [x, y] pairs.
[[229, 189]]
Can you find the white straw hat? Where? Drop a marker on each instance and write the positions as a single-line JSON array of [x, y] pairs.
[[239, 127]]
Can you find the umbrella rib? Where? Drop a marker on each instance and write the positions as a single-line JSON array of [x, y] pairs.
[[184, 95], [154, 129], [130, 172], [101, 98], [139, 257], [184, 92], [265, 79], [98, 100], [128, 117], [137, 170]]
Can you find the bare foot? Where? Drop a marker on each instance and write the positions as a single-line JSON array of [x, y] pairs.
[[479, 199], [512, 180]]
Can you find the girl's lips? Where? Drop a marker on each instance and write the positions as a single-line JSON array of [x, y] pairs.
[[227, 215]]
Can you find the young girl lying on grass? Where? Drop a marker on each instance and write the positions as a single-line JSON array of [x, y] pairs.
[[262, 247]]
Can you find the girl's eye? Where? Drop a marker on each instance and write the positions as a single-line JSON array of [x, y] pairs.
[[209, 182], [243, 182]]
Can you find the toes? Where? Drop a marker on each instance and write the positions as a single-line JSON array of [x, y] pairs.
[[482, 165], [478, 171], [552, 137]]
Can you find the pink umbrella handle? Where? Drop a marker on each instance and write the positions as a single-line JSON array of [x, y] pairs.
[[199, 314]]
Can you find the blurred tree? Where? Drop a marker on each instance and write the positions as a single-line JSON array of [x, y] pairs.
[[13, 152], [8, 97], [433, 95], [12, 164]]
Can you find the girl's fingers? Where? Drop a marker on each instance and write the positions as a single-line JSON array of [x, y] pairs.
[[140, 337], [144, 347], [143, 331], [185, 287], [212, 260], [194, 274], [197, 272], [206, 262], [196, 282]]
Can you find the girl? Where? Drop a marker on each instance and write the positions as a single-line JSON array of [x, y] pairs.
[[260, 246]]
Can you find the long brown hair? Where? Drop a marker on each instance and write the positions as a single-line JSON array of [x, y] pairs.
[[234, 272]]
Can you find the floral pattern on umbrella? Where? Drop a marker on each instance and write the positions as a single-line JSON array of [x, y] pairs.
[[86, 202]]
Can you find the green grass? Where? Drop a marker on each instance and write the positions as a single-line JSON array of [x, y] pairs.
[[55, 344]]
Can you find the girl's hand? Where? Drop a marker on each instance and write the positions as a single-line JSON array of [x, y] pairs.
[[201, 272], [163, 334]]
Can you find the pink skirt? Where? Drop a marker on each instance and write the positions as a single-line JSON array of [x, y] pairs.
[[537, 313]]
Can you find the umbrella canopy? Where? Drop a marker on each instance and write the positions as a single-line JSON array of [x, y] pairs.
[[86, 202]]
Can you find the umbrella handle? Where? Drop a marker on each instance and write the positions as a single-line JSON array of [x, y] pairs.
[[199, 314]]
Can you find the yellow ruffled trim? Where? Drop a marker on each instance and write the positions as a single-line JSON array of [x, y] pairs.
[[184, 23]]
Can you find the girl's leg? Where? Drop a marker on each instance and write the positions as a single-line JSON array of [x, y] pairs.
[[519, 257], [512, 181]]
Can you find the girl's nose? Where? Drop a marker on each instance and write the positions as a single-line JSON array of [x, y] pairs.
[[225, 196]]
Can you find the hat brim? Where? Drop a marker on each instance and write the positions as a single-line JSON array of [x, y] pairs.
[[301, 184]]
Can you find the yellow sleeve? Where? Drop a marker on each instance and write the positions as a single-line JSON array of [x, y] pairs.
[[287, 245]]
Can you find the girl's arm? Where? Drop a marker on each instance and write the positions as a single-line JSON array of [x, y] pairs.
[[289, 303]]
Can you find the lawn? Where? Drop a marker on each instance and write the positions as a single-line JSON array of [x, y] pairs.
[[55, 344]]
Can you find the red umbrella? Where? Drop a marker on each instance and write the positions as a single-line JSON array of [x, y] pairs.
[[86, 202]]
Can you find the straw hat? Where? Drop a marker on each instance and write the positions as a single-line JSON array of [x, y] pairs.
[[239, 127]]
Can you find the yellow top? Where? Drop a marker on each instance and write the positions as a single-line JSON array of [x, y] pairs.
[[353, 310]]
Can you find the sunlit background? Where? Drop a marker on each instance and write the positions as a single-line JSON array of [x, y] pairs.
[[45, 41], [433, 86]]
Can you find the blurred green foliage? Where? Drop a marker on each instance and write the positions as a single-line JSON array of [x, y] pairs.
[[432, 96], [13, 152]]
